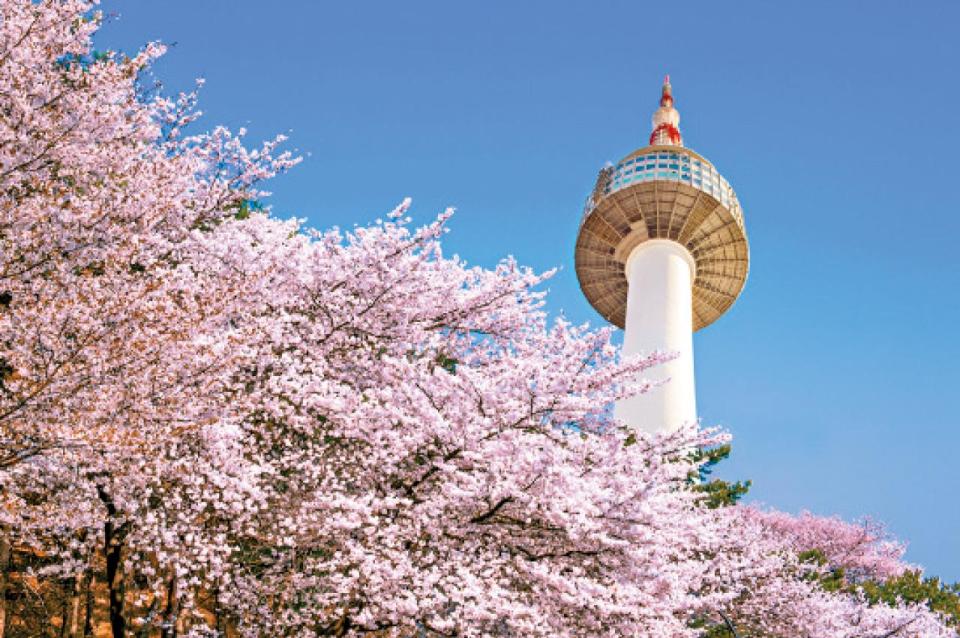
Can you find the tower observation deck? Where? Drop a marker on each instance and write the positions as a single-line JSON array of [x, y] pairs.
[[662, 251]]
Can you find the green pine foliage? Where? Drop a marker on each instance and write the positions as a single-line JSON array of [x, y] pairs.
[[909, 587], [912, 587], [245, 207], [722, 629], [717, 492]]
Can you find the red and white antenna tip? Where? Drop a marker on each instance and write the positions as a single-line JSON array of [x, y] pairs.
[[666, 120]]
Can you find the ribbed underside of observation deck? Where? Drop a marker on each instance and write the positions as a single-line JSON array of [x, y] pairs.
[[623, 219]]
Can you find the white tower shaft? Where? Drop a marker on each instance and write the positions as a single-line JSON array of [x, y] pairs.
[[660, 274]]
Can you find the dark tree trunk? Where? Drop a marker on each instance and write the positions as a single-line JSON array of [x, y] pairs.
[[113, 548], [113, 538], [5, 552], [172, 612], [71, 606], [88, 605]]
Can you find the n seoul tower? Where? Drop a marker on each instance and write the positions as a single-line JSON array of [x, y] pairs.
[[662, 252]]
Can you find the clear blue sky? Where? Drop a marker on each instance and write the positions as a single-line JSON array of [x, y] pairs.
[[838, 369]]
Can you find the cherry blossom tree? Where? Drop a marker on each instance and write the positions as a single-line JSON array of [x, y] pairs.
[[801, 576], [114, 330], [214, 422]]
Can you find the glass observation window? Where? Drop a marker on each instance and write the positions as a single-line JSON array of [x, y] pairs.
[[674, 167]]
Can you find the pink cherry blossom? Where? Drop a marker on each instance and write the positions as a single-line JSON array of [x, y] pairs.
[[230, 420]]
